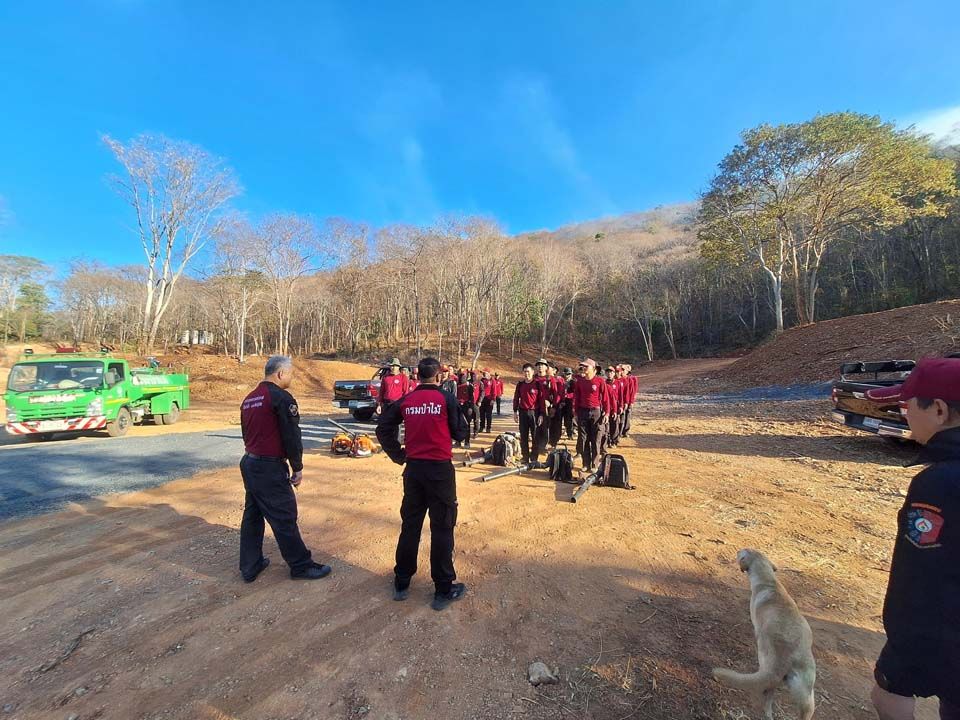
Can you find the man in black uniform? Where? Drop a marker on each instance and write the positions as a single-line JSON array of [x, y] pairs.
[[922, 606], [270, 421], [431, 420]]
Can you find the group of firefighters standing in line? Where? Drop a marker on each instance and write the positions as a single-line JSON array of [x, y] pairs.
[[547, 405]]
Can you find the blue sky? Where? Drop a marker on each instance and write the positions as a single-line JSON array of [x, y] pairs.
[[537, 113]]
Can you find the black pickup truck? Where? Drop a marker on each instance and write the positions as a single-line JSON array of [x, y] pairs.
[[359, 396], [865, 397]]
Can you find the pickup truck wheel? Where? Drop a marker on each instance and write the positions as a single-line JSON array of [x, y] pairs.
[[362, 415], [119, 427], [171, 417]]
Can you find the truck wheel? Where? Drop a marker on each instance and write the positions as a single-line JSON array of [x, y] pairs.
[[119, 427], [362, 415], [171, 417]]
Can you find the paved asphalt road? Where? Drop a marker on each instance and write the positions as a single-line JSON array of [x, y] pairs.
[[38, 477]]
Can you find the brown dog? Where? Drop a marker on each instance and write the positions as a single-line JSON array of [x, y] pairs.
[[784, 641]]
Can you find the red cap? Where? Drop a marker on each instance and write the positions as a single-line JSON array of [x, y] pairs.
[[933, 379], [891, 393]]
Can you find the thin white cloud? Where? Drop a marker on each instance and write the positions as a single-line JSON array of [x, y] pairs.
[[399, 183], [943, 125], [535, 114]]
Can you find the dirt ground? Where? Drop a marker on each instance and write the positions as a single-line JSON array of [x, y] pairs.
[[814, 353], [132, 606]]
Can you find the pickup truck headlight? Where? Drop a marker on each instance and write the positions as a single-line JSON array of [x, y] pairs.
[[11, 415], [95, 408]]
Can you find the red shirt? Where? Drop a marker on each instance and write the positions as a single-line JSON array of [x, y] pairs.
[[431, 420], [634, 387], [393, 387], [547, 388], [467, 392], [589, 394], [497, 388], [270, 422], [529, 396], [614, 394], [487, 389], [559, 389]]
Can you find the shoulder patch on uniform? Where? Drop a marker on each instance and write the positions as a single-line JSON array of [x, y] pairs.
[[294, 410], [924, 523]]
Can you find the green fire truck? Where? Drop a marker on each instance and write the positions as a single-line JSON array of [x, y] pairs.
[[80, 392]]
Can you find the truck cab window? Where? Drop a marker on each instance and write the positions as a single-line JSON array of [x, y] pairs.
[[114, 373]]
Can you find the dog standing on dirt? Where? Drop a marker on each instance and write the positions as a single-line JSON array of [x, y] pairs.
[[784, 641]]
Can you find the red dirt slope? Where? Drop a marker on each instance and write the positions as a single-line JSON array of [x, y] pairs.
[[814, 353]]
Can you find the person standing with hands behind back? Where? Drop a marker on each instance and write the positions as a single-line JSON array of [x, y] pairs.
[[270, 421], [921, 612], [431, 420]]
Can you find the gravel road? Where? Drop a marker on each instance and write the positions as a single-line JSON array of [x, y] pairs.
[[38, 477]]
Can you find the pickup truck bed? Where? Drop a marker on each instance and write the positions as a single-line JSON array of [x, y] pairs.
[[358, 396], [854, 408]]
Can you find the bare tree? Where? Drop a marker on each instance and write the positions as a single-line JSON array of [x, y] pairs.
[[177, 191]]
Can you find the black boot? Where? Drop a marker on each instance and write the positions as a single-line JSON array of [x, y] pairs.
[[443, 600]]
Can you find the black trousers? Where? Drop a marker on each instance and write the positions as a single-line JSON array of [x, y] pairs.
[[486, 414], [588, 435], [568, 418], [555, 430], [471, 415], [614, 429], [625, 430], [529, 436], [269, 497], [428, 486], [498, 407]]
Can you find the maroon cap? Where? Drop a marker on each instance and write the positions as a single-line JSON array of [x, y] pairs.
[[933, 379], [589, 363]]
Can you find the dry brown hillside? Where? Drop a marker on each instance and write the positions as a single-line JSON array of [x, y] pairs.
[[814, 353]]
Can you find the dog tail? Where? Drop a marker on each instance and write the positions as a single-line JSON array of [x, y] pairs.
[[758, 681]]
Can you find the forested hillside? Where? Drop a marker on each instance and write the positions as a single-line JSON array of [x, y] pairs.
[[840, 215]]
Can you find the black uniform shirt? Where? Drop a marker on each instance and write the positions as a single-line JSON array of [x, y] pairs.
[[270, 420], [921, 612]]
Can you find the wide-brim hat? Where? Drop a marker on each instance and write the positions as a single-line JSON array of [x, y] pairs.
[[395, 362], [542, 361]]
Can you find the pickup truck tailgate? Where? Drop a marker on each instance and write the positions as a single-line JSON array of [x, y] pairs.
[[353, 389]]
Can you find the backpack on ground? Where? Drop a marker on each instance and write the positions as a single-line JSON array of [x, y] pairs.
[[560, 464], [504, 450], [498, 451], [614, 472]]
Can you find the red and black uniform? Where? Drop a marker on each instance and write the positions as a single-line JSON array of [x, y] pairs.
[[591, 403], [558, 390], [920, 611], [529, 404], [631, 397], [431, 420], [568, 407], [610, 435], [497, 393], [270, 422], [468, 395], [487, 392], [543, 418], [392, 389]]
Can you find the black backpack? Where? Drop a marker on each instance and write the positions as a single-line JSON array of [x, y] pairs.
[[614, 472], [560, 465], [498, 451]]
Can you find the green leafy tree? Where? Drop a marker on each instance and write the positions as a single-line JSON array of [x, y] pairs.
[[787, 193]]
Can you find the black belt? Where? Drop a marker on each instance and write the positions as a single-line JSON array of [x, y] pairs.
[[265, 457]]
